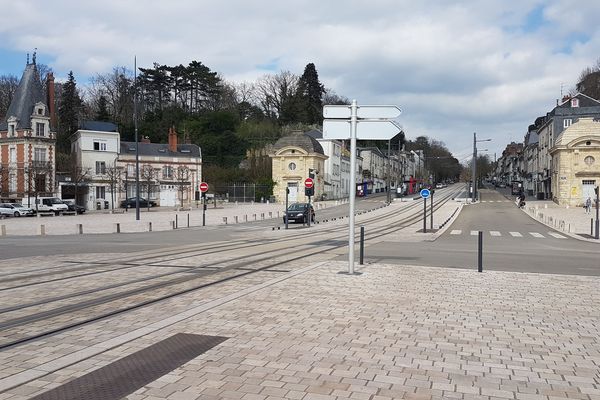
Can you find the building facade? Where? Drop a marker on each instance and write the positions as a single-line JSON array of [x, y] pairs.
[[28, 140], [576, 162]]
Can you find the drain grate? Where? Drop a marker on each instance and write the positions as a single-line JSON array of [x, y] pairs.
[[130, 373]]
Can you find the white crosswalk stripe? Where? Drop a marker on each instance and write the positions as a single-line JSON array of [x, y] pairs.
[[456, 232], [536, 235], [515, 234], [556, 235], [495, 233]]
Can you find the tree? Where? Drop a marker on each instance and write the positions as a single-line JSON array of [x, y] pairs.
[[8, 86], [102, 113], [182, 176], [79, 177], [276, 94], [589, 81], [310, 95], [38, 175], [332, 98], [148, 176], [68, 114]]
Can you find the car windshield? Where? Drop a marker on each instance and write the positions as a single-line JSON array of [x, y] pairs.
[[18, 205], [55, 201], [297, 207]]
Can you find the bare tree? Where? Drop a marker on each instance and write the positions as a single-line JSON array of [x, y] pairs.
[[117, 88], [8, 86], [113, 177], [39, 179], [148, 176], [4, 186], [182, 175], [274, 92]]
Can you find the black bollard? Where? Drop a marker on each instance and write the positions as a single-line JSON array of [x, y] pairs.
[[480, 253], [362, 244]]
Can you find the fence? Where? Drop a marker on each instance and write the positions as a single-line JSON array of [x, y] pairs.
[[244, 192]]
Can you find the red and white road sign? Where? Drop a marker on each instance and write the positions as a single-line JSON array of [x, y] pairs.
[[203, 187], [308, 183]]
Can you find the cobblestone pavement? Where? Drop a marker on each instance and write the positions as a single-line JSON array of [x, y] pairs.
[[392, 332]]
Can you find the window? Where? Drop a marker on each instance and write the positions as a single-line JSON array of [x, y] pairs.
[[39, 154], [292, 166], [574, 102], [12, 183], [13, 155], [131, 169], [11, 130], [589, 160], [100, 192], [100, 168], [40, 111], [99, 146], [567, 122], [167, 172], [40, 129]]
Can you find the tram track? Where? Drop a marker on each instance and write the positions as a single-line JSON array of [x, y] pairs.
[[312, 248]]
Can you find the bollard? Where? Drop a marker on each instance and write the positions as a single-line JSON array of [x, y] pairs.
[[188, 220], [236, 219], [254, 216], [173, 224], [225, 220], [245, 218], [480, 252], [270, 214], [3, 230], [277, 214], [118, 227], [262, 216], [80, 229], [149, 226], [176, 222], [43, 230], [591, 226], [362, 244]]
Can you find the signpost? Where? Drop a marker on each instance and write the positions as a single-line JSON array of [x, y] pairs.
[[309, 190], [358, 122], [425, 193], [203, 188]]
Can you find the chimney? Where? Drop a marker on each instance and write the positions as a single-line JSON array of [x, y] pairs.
[[50, 99], [145, 139], [172, 140]]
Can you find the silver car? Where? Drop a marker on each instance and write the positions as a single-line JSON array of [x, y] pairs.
[[15, 209]]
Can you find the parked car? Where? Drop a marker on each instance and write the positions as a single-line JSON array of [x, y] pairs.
[[439, 186], [74, 206], [130, 203], [47, 204], [16, 209], [298, 212]]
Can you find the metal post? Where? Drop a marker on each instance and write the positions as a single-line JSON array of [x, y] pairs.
[[480, 252], [176, 221], [287, 193], [597, 212], [188, 220], [424, 215], [309, 213], [591, 226], [431, 212], [204, 209], [389, 173], [474, 167], [137, 145], [362, 244], [353, 124]]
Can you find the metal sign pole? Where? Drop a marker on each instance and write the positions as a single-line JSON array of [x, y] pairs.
[[309, 213], [424, 215], [353, 124], [287, 193], [431, 224]]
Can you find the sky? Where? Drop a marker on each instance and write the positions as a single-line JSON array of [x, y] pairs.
[[454, 68]]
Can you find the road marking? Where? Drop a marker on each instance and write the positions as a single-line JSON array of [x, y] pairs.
[[474, 233], [515, 234], [556, 235], [495, 233], [456, 232], [536, 234]]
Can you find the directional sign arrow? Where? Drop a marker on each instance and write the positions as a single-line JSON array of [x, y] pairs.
[[365, 112], [365, 129]]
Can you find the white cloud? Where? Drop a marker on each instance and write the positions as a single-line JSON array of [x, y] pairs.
[[454, 67]]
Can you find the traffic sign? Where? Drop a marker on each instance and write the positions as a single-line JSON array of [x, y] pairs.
[[308, 183], [372, 112], [365, 129], [425, 193], [203, 187]]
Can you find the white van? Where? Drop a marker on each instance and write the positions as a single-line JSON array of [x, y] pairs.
[[48, 204]]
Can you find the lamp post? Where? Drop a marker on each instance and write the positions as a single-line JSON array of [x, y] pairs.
[[474, 166]]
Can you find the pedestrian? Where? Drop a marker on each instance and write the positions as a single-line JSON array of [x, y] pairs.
[[588, 205]]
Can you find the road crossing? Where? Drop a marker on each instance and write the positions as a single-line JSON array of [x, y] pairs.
[[537, 235]]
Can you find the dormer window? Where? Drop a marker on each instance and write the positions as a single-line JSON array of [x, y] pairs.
[[574, 102], [40, 129], [11, 130], [40, 111]]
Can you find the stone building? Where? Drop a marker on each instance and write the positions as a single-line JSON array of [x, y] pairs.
[[28, 140], [294, 157], [576, 162]]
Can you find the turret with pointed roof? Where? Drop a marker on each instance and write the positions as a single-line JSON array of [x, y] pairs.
[[28, 94]]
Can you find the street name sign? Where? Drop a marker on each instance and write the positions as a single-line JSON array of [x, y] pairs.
[[365, 129], [425, 193], [362, 112], [308, 183], [203, 187]]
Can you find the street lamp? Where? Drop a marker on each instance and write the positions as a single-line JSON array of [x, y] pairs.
[[474, 166]]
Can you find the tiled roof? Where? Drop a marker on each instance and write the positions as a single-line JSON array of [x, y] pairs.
[[583, 127], [301, 140], [99, 126], [28, 93], [160, 150]]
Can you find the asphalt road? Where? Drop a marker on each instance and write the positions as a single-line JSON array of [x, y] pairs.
[[512, 242]]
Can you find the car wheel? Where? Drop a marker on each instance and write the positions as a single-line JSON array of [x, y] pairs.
[[57, 213], [17, 214]]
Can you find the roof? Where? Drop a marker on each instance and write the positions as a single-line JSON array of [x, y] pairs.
[[585, 127], [99, 126], [314, 134], [28, 93], [301, 140], [160, 150]]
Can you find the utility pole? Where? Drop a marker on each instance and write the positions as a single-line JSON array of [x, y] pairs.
[[474, 168], [389, 175], [137, 146]]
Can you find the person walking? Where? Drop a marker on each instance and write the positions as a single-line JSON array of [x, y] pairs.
[[588, 205]]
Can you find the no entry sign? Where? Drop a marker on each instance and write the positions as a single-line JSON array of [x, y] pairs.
[[308, 183], [203, 187]]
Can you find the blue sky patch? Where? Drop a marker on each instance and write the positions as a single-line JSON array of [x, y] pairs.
[[13, 62], [534, 20], [272, 65]]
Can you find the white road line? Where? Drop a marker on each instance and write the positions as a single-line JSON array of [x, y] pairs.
[[495, 233], [474, 233], [456, 232], [515, 234], [536, 234], [556, 235]]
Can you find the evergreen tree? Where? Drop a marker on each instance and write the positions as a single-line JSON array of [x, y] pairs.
[[310, 93], [102, 113], [68, 113]]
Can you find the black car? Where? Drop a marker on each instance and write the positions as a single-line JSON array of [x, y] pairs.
[[298, 212], [74, 206], [130, 203]]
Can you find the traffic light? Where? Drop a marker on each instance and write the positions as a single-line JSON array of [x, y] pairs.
[[311, 173], [309, 191], [596, 190]]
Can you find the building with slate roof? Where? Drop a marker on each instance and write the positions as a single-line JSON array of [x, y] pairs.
[[28, 140], [294, 158], [169, 172], [576, 162]]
